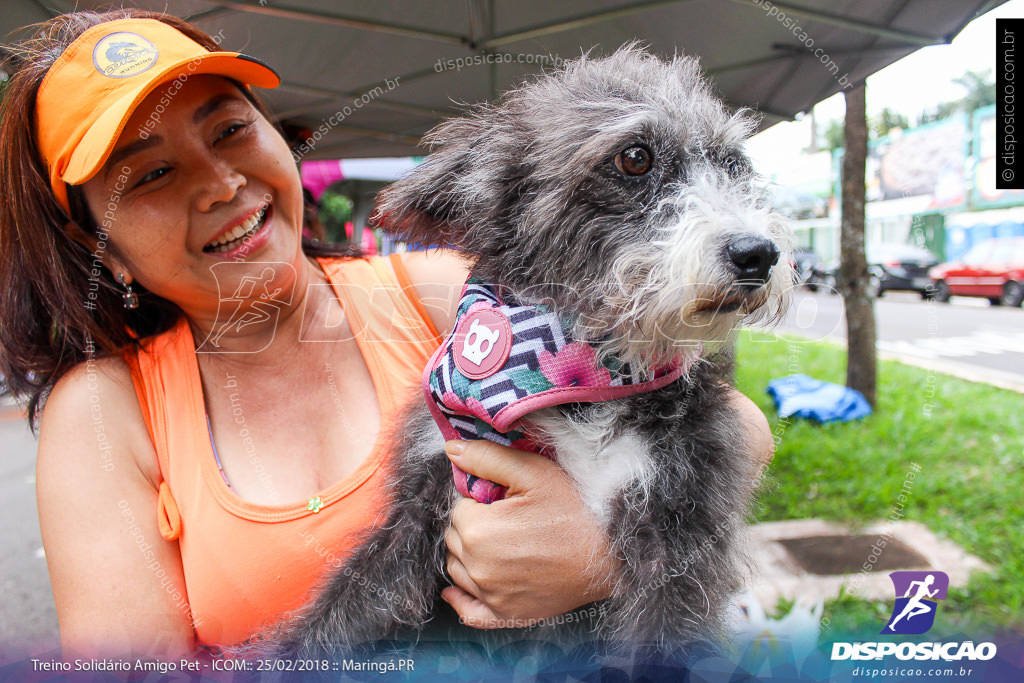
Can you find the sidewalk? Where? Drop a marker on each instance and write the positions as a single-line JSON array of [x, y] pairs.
[[970, 373]]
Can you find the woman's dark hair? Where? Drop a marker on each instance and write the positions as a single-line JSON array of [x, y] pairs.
[[58, 307]]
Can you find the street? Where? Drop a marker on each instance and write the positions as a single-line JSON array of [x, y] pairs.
[[28, 620], [966, 337]]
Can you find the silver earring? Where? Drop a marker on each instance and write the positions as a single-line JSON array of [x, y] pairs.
[[131, 299]]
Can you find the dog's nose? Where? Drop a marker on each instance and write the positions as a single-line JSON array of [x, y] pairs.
[[753, 258]]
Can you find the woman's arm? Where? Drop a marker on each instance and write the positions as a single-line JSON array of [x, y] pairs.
[[437, 275], [117, 584], [755, 427]]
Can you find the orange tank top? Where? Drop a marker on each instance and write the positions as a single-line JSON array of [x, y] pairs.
[[246, 564]]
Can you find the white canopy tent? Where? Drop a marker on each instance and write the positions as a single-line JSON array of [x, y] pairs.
[[367, 79]]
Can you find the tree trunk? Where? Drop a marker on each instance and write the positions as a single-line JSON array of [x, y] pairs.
[[854, 280]]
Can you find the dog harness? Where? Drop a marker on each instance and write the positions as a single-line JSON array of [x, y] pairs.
[[503, 361]]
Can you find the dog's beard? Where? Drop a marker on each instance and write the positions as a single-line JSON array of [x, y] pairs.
[[677, 297]]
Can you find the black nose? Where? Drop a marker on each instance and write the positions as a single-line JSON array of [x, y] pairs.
[[753, 258]]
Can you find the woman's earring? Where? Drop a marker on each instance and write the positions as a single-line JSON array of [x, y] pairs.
[[131, 299]]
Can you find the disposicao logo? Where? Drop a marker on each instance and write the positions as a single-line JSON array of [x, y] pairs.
[[123, 54], [917, 594]]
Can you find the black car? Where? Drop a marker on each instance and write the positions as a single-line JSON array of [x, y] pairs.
[[894, 267], [900, 267], [797, 204]]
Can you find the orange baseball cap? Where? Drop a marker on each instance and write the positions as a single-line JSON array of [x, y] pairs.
[[90, 92]]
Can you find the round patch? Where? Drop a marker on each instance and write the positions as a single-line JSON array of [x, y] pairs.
[[123, 54], [483, 341]]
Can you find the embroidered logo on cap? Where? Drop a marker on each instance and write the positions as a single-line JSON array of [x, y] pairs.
[[124, 54], [482, 343]]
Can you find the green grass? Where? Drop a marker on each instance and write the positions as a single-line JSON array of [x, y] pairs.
[[967, 438]]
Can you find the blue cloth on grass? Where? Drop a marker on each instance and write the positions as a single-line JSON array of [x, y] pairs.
[[811, 398]]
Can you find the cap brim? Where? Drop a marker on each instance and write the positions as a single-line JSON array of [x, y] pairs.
[[101, 138]]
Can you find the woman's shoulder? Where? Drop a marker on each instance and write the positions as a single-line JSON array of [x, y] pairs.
[[437, 276], [88, 378], [432, 264], [93, 411]]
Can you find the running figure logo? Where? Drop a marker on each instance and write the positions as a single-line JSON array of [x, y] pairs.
[[254, 300], [916, 596]]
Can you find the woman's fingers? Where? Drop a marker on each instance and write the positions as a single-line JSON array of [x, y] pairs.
[[518, 470], [471, 611], [463, 581], [460, 558], [475, 613], [453, 541], [459, 575]]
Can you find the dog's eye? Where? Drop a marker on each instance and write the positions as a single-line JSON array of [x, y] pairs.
[[635, 160]]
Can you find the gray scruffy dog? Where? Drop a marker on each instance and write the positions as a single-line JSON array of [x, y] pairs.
[[617, 194]]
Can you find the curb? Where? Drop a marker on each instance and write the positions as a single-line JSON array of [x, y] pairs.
[[1002, 380], [968, 373]]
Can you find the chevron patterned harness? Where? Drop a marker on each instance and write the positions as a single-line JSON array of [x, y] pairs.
[[503, 361]]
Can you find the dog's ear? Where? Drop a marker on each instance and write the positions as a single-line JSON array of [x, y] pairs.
[[459, 185]]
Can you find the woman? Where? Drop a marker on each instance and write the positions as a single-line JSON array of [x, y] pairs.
[[217, 402]]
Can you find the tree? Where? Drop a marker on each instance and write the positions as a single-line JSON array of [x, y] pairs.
[[832, 138], [335, 211], [853, 268], [981, 92], [885, 122], [881, 125]]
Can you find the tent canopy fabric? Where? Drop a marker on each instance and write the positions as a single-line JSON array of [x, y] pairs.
[[367, 79]]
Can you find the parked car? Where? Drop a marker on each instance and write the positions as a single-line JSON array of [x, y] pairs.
[[893, 266], [993, 269], [900, 267]]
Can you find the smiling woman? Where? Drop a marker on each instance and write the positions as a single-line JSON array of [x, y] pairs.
[[158, 310]]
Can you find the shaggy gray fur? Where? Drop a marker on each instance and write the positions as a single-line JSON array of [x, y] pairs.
[[658, 264]]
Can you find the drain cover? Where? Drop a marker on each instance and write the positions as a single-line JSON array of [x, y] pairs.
[[829, 555]]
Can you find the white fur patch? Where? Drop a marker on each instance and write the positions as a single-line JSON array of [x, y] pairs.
[[599, 463]]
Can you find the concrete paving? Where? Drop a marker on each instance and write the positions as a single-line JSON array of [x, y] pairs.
[[779, 575]]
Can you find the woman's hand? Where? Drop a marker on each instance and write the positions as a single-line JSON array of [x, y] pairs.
[[533, 555]]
